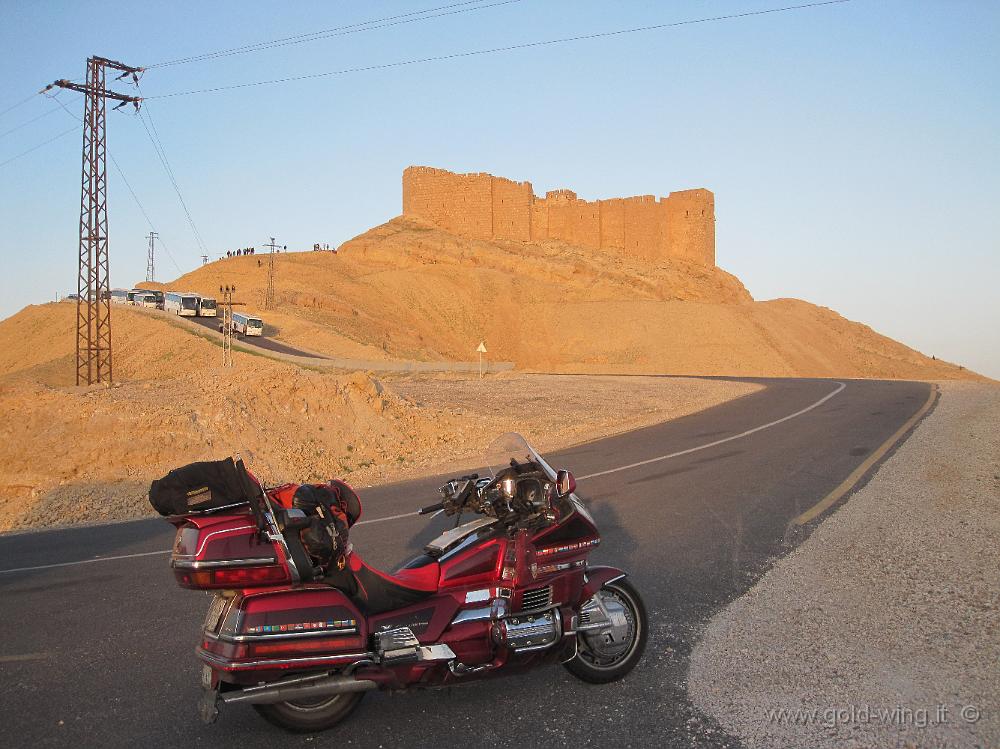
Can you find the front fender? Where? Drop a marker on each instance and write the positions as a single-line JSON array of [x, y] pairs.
[[596, 578]]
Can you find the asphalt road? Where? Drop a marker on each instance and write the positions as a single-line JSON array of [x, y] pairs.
[[101, 654], [259, 341]]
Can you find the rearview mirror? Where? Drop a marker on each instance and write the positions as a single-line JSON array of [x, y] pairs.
[[565, 483]]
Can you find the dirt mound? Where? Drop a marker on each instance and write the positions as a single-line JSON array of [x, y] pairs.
[[408, 290]]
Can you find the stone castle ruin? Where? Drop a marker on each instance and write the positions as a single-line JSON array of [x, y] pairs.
[[480, 206]]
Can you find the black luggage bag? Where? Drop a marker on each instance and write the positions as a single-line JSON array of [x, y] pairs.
[[198, 487]]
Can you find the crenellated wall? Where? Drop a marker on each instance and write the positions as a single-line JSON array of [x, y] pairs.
[[481, 206]]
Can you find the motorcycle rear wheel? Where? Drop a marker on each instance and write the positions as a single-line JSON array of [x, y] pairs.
[[310, 716], [598, 662]]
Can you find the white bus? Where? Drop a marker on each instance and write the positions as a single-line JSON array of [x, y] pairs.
[[247, 324], [180, 303], [207, 307], [143, 298], [120, 296], [159, 297]]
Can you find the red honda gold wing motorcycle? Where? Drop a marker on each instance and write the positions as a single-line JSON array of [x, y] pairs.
[[506, 592]]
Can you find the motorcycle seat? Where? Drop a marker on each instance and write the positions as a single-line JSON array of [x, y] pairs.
[[379, 591]]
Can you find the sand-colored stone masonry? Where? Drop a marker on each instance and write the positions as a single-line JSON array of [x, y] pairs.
[[481, 206]]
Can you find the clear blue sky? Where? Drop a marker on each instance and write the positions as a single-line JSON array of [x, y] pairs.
[[853, 149]]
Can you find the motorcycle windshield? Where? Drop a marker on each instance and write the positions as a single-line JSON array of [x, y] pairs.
[[512, 446]]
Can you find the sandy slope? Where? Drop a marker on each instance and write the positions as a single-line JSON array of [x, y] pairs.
[[408, 290], [70, 454]]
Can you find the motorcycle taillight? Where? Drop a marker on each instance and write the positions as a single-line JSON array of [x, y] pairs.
[[232, 577], [313, 645], [250, 575]]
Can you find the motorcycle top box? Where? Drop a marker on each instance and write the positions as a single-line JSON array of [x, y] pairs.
[[224, 552], [300, 626]]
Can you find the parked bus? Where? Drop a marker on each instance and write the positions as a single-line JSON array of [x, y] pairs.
[[120, 296], [179, 303], [143, 298], [207, 307], [247, 324], [159, 297]]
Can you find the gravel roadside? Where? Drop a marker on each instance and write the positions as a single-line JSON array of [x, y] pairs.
[[883, 628]]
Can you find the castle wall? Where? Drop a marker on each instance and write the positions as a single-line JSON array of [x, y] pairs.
[[481, 206], [459, 203], [511, 209], [644, 230], [613, 224], [691, 225]]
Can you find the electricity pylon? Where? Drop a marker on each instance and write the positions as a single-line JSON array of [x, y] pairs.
[[93, 303]]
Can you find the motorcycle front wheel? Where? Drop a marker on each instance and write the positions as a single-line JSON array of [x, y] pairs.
[[310, 716], [608, 655]]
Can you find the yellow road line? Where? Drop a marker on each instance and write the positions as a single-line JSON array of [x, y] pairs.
[[847, 484]]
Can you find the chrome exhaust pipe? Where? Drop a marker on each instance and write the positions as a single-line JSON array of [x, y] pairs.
[[297, 690]]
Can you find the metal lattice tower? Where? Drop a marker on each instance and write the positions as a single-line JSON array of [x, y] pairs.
[[269, 297], [93, 304], [150, 264]]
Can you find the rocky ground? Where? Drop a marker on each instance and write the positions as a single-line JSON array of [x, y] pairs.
[[77, 454], [883, 628]]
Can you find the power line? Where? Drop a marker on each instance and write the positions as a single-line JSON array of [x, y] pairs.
[[33, 119], [35, 148], [121, 173], [12, 107], [149, 221], [154, 138], [510, 48], [353, 28]]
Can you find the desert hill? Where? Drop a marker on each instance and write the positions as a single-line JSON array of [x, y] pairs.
[[410, 290]]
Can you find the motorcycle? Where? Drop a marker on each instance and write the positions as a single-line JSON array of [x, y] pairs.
[[506, 592]]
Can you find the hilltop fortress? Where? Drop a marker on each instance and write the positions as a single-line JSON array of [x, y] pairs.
[[481, 206]]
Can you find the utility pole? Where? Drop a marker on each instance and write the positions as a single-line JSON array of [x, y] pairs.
[[150, 268], [269, 296], [93, 304], [204, 259], [226, 292], [227, 324]]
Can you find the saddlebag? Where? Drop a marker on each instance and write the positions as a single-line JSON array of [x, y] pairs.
[[197, 487]]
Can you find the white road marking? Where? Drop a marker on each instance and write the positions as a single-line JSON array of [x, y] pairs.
[[83, 561], [741, 435], [24, 657], [389, 517], [630, 466], [154, 553]]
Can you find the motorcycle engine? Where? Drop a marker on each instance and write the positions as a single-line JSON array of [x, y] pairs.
[[527, 631]]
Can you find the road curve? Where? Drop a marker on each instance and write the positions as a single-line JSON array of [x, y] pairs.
[[101, 652], [259, 341]]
